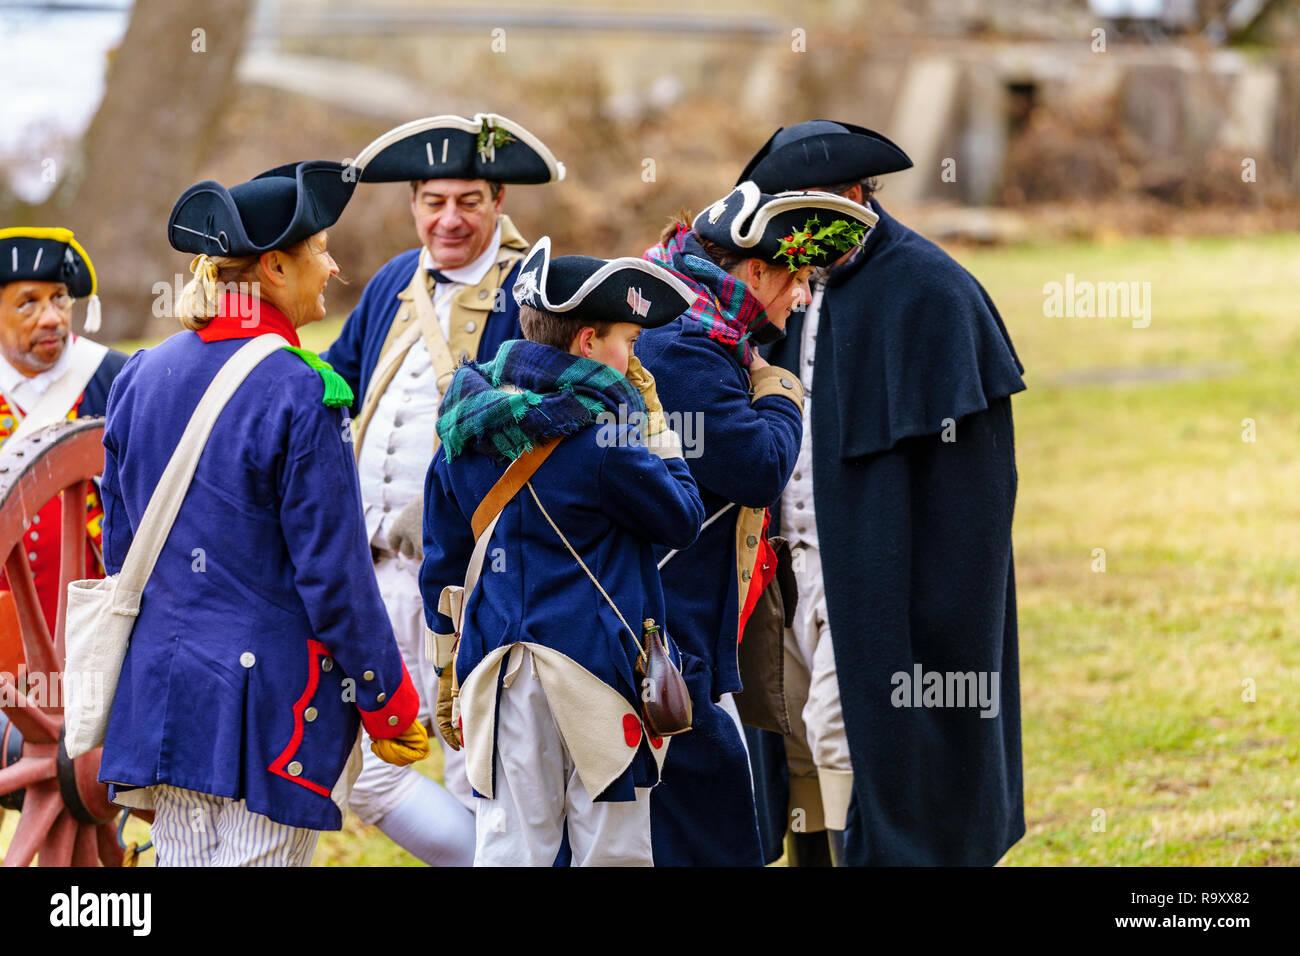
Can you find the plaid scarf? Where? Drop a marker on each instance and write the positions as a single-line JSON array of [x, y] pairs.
[[530, 392], [724, 311]]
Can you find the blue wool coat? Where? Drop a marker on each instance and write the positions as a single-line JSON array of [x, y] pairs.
[[703, 814], [355, 353], [915, 535], [614, 500], [262, 642]]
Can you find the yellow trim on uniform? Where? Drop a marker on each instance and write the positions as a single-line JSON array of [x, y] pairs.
[[58, 234]]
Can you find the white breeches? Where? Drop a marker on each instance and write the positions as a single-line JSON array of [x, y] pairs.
[[817, 748], [198, 829], [538, 792]]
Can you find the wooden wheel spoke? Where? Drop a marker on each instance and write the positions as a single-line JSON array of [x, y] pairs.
[[37, 646], [110, 854], [72, 555], [85, 851], [57, 848], [26, 772], [34, 724], [41, 807]]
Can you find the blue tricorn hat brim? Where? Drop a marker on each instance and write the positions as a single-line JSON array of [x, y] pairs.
[[591, 290], [822, 153], [274, 210], [40, 254], [446, 147], [752, 223]]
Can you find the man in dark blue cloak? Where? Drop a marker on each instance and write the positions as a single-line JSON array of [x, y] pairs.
[[910, 460]]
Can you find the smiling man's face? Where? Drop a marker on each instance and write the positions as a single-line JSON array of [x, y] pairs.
[[455, 218], [35, 319]]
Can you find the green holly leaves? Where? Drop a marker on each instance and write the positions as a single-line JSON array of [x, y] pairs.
[[813, 241]]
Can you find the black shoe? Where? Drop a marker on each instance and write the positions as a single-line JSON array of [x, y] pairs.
[[807, 849]]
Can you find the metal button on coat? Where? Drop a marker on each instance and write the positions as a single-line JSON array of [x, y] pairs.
[[247, 659], [751, 541], [35, 535], [470, 326], [797, 476], [482, 293], [36, 519], [758, 511], [31, 555], [392, 721], [745, 575], [327, 665], [368, 675], [380, 698], [294, 768], [310, 714], [786, 383]]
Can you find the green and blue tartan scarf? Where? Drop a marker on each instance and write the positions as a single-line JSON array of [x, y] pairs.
[[530, 392], [724, 310]]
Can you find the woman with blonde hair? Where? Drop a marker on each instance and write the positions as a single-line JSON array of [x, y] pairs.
[[262, 645]]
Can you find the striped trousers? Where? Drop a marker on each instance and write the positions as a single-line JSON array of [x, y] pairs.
[[198, 829]]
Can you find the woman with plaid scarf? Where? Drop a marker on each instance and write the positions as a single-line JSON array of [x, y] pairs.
[[749, 257]]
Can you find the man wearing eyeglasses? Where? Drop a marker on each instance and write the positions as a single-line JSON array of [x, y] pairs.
[[47, 375], [423, 313]]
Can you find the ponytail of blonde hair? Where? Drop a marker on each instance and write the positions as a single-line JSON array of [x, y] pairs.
[[198, 302]]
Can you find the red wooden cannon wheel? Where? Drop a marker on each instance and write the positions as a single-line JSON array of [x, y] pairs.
[[66, 818]]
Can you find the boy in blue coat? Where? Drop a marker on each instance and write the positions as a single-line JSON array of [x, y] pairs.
[[549, 701]]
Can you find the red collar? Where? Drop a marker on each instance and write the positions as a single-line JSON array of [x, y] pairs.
[[241, 316]]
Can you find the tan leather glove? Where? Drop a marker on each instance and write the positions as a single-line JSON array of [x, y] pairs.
[[444, 713], [644, 383], [406, 533], [410, 745]]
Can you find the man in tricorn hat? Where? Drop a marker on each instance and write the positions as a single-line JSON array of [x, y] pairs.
[[907, 582], [421, 314], [47, 375]]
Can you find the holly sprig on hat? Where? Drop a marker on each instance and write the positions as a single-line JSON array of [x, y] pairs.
[[490, 138], [801, 246]]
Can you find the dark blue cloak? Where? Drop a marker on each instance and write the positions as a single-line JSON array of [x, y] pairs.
[[915, 533]]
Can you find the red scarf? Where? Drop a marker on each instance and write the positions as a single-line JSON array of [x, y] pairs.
[[241, 316]]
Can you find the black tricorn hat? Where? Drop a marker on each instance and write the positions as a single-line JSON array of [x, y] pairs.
[[487, 147], [42, 254], [274, 210], [592, 290], [822, 153], [46, 255], [753, 223]]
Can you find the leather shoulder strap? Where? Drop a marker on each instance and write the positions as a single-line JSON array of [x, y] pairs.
[[508, 485], [488, 512]]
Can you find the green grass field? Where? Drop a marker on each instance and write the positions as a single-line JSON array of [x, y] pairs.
[[1159, 695]]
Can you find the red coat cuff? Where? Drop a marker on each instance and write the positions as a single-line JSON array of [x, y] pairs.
[[398, 712]]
